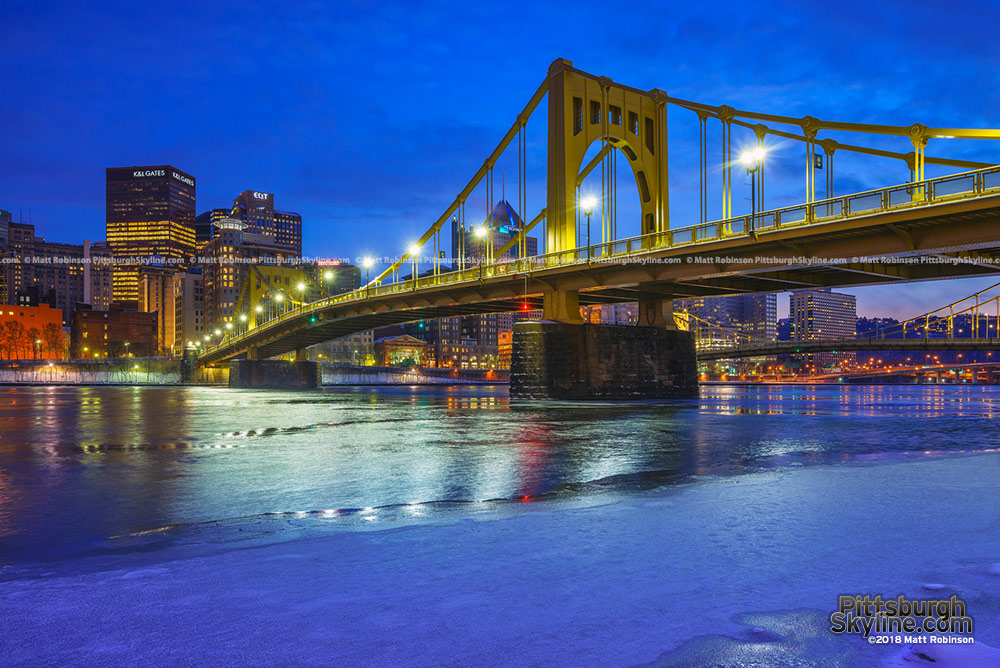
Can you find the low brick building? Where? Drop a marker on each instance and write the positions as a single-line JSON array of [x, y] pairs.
[[121, 331]]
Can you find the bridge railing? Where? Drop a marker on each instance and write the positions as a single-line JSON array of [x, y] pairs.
[[921, 193], [977, 183]]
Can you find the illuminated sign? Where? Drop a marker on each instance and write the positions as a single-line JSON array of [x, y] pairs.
[[183, 179], [257, 195], [328, 263], [142, 173]]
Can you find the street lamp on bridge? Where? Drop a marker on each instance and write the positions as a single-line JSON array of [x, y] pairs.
[[752, 159], [367, 263], [588, 203], [481, 233], [414, 254]]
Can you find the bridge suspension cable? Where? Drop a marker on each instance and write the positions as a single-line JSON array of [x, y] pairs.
[[481, 173]]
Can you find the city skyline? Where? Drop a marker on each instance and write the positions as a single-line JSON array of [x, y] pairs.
[[321, 139]]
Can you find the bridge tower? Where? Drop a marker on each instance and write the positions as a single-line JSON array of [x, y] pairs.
[[584, 109], [561, 357]]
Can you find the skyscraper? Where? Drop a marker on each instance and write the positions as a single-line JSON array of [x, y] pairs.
[[156, 295], [754, 316], [256, 211], [823, 314], [206, 224], [228, 256], [150, 218], [5, 220], [189, 302], [473, 244]]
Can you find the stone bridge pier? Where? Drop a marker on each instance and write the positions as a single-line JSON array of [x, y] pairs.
[[253, 373], [561, 357]]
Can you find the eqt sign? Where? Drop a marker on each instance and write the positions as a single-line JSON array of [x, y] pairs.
[[263, 196]]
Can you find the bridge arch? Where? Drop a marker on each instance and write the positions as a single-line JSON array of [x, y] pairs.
[[584, 109], [638, 199]]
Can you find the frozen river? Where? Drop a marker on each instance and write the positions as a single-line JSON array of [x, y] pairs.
[[449, 526]]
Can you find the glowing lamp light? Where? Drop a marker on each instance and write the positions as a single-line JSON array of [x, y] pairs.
[[367, 263], [481, 231], [243, 316], [328, 275], [588, 203], [259, 309], [278, 297], [218, 332], [414, 250], [752, 157], [301, 286], [229, 325]]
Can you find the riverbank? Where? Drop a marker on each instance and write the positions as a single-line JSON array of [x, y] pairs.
[[710, 573], [167, 372]]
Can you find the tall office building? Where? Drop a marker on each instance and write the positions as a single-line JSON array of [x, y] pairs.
[[19, 274], [156, 295], [823, 314], [754, 315], [57, 274], [150, 218], [759, 316], [474, 243], [206, 224], [189, 308], [228, 257], [5, 221], [97, 275], [256, 211]]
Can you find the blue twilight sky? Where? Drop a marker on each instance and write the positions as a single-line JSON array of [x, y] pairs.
[[368, 117]]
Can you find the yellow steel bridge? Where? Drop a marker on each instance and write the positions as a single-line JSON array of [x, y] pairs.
[[924, 229]]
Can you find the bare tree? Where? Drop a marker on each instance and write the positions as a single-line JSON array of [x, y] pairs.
[[7, 340], [16, 334], [35, 342], [53, 337]]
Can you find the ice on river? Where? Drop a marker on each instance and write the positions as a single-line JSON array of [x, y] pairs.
[[721, 572]]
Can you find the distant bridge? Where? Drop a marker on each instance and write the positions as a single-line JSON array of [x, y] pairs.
[[986, 373], [860, 343], [943, 329]]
